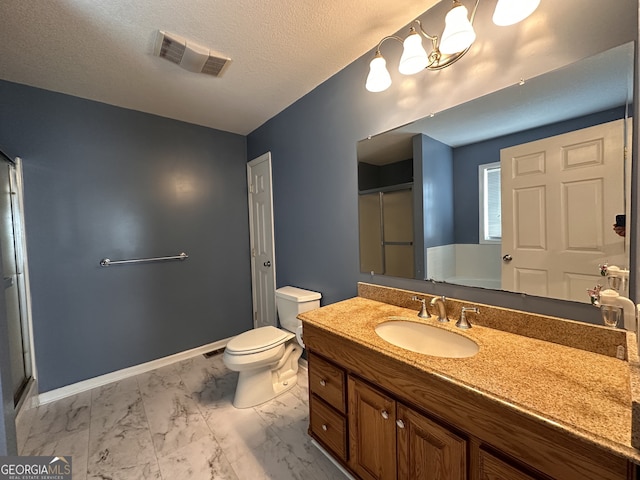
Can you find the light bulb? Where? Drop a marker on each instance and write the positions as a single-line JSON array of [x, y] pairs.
[[414, 58], [378, 79], [508, 12], [458, 32]]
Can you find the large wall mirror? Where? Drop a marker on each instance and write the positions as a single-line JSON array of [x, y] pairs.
[[517, 190]]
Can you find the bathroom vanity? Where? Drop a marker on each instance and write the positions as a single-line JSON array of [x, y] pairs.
[[521, 408]]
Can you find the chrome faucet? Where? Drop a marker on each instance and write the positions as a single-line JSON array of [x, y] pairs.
[[463, 322], [440, 303], [423, 311]]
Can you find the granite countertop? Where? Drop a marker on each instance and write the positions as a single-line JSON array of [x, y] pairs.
[[584, 393]]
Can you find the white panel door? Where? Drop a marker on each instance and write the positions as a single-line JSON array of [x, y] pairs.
[[263, 275], [560, 196]]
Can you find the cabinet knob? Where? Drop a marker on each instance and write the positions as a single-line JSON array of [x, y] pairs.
[[325, 427], [400, 423], [323, 383], [384, 414]]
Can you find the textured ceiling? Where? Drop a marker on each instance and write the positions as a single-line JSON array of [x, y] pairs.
[[280, 49]]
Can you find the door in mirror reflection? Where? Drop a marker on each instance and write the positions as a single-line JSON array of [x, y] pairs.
[[560, 199], [386, 224], [455, 240]]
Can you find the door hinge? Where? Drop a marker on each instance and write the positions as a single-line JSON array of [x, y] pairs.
[[253, 252], [255, 316], [252, 188]]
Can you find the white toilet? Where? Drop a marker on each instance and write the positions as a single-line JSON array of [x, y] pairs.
[[267, 357]]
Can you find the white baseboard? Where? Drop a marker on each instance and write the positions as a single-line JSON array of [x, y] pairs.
[[83, 386]]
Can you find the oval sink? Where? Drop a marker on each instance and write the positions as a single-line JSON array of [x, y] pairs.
[[426, 339]]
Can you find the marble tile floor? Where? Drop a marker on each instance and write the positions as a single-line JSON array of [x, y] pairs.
[[178, 423]]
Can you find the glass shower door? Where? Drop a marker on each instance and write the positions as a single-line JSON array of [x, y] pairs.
[[13, 278]]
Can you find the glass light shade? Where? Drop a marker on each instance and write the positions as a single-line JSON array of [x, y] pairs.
[[378, 79], [458, 32], [508, 12], [414, 58]]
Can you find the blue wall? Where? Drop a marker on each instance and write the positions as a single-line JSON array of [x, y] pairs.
[[102, 181], [466, 160], [315, 190], [313, 142], [437, 190], [433, 167]]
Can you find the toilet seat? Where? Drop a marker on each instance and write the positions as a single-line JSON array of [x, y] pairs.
[[267, 358], [257, 340]]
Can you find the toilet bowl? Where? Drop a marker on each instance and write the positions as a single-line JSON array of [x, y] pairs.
[[266, 358]]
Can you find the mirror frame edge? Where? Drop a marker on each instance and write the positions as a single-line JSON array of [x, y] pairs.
[[529, 303]]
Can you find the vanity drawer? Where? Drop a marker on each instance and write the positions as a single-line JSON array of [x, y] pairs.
[[329, 427], [491, 467], [328, 382]]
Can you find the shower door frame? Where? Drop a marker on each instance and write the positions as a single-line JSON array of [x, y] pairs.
[[22, 280]]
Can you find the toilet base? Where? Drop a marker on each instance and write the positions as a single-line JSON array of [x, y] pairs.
[[263, 384]]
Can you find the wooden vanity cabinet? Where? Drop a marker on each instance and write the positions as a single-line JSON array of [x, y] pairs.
[[427, 450], [388, 440], [327, 406], [491, 467], [328, 382], [372, 432], [382, 419], [329, 427]]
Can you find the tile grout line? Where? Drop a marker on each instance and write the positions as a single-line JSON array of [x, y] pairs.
[[193, 382], [86, 469], [215, 438], [146, 418]]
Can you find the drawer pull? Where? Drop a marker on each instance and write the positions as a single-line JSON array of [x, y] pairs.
[[400, 423], [384, 414], [323, 383], [325, 427]]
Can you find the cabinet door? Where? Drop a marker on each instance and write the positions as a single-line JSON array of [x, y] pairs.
[[492, 468], [428, 451], [372, 432]]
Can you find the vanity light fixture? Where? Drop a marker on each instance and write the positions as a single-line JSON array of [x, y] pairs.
[[509, 12], [457, 38]]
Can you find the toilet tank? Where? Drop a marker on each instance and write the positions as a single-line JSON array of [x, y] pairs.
[[291, 301]]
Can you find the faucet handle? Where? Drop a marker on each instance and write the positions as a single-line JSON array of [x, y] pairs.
[[594, 295], [423, 311], [463, 322]]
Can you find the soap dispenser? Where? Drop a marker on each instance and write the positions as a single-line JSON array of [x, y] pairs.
[[612, 302], [613, 305], [617, 278]]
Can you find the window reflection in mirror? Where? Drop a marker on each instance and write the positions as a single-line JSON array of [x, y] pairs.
[[517, 190]]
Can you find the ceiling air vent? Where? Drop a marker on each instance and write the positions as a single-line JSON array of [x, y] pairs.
[[189, 55]]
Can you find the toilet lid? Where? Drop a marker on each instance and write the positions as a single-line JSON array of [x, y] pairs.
[[257, 340]]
